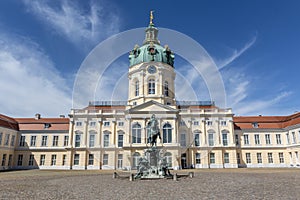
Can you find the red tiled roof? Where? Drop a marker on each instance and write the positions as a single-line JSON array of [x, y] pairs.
[[267, 122], [8, 122], [39, 124]]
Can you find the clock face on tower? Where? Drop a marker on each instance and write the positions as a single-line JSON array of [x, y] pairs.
[[151, 69]]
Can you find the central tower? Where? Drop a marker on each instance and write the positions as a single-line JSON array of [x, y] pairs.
[[151, 71]]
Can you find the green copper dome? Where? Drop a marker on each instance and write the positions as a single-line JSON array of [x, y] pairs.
[[151, 49]]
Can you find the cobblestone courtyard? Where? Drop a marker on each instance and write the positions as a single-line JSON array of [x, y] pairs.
[[207, 184]]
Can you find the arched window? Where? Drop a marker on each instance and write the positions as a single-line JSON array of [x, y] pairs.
[[225, 138], [136, 133], [151, 86], [137, 86], [168, 156], [167, 133], [135, 160], [166, 88]]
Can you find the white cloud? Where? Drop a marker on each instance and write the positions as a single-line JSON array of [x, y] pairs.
[[268, 106], [81, 27], [29, 80], [235, 54]]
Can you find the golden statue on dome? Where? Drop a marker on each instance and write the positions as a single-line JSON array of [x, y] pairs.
[[151, 17]]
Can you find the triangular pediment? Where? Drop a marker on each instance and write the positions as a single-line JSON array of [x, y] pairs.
[[152, 107]]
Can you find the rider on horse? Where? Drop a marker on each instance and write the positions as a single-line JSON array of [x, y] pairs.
[[154, 131]]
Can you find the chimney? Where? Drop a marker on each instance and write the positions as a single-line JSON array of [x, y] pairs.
[[61, 116], [37, 116]]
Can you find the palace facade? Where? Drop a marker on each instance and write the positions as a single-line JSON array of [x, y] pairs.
[[113, 135]]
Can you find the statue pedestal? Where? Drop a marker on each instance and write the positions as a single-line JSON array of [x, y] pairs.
[[151, 165]]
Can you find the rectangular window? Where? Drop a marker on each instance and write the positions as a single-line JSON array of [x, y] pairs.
[[198, 158], [268, 140], [211, 139], [223, 123], [166, 89], [53, 159], [55, 141], [3, 160], [278, 138], [182, 140], [66, 140], [31, 160], [287, 138], [236, 139], [270, 157], [182, 123], [246, 139], [196, 123], [281, 158], [137, 88], [91, 159], [226, 158], [120, 123], [106, 123], [105, 159], [33, 141], [92, 123], [22, 141], [44, 140], [42, 159], [12, 142], [76, 159], [1, 135], [64, 159], [106, 140], [259, 158], [92, 140], [120, 140], [209, 123], [248, 158], [197, 139], [6, 140], [77, 140], [120, 161], [212, 158], [10, 160], [20, 160], [224, 139], [256, 139], [78, 123], [238, 158], [293, 137]]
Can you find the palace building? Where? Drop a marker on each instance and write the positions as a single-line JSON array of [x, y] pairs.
[[113, 135]]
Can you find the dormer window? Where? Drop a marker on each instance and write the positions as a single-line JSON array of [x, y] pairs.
[[255, 125], [47, 125]]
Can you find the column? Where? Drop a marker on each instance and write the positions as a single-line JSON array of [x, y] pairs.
[[176, 130], [145, 129], [100, 142], [70, 145], [85, 134], [204, 132]]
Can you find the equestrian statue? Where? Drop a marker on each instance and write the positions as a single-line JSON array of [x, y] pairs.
[[153, 131]]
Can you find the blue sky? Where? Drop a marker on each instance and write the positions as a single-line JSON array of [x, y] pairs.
[[255, 45]]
